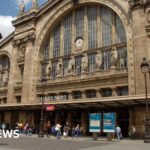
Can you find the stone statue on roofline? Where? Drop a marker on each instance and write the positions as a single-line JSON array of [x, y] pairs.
[[22, 7], [34, 4]]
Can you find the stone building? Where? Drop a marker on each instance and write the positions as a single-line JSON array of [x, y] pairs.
[[89, 51]]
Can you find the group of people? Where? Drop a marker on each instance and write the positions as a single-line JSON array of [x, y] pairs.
[[131, 134], [58, 130]]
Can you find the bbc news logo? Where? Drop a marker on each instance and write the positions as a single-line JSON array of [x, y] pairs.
[[9, 134]]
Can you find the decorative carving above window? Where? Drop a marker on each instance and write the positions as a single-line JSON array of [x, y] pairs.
[[134, 4], [21, 52]]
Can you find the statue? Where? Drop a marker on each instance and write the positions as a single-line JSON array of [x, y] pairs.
[[84, 65], [114, 57], [98, 60], [5, 77], [34, 3], [22, 7], [71, 66], [59, 69], [48, 70]]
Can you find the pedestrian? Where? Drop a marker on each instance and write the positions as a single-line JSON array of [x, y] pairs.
[[118, 132], [132, 132], [73, 132], [77, 130], [48, 127], [58, 130], [3, 126]]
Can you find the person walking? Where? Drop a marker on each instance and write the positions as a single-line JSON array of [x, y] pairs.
[[77, 130], [118, 132], [58, 131], [132, 132]]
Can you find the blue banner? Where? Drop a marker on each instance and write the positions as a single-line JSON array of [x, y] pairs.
[[109, 122], [95, 122]]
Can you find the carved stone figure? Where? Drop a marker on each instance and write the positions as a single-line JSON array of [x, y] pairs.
[[22, 52], [98, 60], [114, 57], [48, 70], [71, 66], [22, 7], [5, 77], [59, 69], [34, 3], [84, 65]]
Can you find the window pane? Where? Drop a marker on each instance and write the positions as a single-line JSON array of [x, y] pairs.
[[46, 51], [65, 67], [67, 35], [106, 60], [56, 42], [91, 62], [79, 23], [92, 27], [106, 22], [122, 91], [120, 32]]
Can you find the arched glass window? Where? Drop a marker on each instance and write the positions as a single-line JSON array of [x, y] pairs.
[[99, 27], [4, 70]]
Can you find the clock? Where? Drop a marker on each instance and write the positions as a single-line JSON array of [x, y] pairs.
[[79, 43]]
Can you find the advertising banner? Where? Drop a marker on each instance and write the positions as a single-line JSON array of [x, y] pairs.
[[109, 122], [95, 122]]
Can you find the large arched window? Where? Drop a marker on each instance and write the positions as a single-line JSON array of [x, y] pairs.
[[99, 27], [4, 70]]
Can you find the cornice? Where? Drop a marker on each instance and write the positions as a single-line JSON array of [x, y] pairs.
[[24, 40], [7, 39], [136, 4]]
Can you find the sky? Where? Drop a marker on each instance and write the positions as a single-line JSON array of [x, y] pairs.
[[9, 10]]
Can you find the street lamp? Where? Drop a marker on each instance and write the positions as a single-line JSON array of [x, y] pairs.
[[41, 133], [145, 68]]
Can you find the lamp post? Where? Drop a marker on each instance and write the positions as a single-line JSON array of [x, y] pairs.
[[145, 68], [41, 133]]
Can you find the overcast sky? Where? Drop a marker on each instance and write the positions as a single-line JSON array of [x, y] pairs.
[[8, 11]]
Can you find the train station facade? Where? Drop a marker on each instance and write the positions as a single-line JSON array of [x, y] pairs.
[[89, 52]]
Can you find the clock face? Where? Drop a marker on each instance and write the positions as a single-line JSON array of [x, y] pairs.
[[79, 43]]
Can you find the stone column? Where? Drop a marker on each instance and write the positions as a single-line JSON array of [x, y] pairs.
[[57, 117], [98, 93], [70, 96], [83, 94], [84, 122], [13, 73], [28, 95], [114, 92], [7, 116], [70, 118]]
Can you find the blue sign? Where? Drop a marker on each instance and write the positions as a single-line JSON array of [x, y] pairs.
[[109, 122], [95, 122]]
